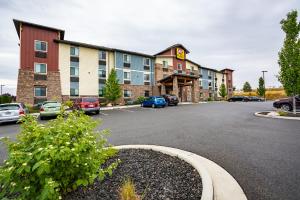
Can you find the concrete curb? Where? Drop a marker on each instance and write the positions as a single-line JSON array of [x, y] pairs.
[[217, 183], [275, 116]]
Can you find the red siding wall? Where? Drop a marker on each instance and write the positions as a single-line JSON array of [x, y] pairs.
[[28, 35]]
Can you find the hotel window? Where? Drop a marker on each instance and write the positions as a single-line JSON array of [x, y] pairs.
[[200, 71], [40, 91], [126, 75], [209, 85], [74, 51], [127, 94], [147, 93], [102, 55], [126, 58], [102, 71], [209, 74], [74, 69], [192, 68], [146, 61], [146, 77], [40, 68], [179, 66], [165, 64], [74, 89], [40, 46]]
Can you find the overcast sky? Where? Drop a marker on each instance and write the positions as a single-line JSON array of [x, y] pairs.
[[238, 34]]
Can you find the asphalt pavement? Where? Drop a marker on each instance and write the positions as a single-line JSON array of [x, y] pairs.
[[261, 153]]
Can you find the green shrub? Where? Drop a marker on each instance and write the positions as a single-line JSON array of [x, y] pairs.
[[209, 99], [32, 109], [140, 99], [48, 160]]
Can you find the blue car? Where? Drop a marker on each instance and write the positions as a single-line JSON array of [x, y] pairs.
[[154, 101]]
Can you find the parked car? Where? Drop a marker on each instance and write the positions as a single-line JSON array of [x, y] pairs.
[[253, 98], [49, 109], [12, 112], [238, 98], [154, 101], [87, 104], [171, 99], [287, 103]]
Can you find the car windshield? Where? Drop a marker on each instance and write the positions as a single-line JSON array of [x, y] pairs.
[[52, 104], [159, 98], [90, 100], [9, 107]]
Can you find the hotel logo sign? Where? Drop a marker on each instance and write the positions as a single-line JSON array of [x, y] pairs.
[[180, 54]]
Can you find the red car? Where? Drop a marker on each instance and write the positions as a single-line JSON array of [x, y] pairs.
[[87, 104]]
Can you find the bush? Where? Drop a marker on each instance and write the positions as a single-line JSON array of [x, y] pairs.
[[140, 99], [48, 160], [209, 99], [33, 109], [5, 98]]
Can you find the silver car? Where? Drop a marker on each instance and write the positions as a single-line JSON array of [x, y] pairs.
[[12, 112]]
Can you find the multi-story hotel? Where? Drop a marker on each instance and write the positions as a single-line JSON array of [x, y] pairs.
[[54, 68]]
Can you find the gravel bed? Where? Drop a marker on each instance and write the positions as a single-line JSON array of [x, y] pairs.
[[155, 175]]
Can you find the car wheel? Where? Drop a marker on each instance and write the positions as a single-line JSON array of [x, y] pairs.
[[286, 107], [97, 112], [42, 118]]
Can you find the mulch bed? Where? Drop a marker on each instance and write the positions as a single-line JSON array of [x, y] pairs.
[[155, 175]]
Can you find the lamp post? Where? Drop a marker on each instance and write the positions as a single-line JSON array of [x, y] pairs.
[[264, 71], [1, 88]]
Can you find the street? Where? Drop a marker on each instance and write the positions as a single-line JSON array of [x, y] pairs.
[[261, 153]]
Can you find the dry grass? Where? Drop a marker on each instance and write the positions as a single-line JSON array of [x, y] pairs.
[[271, 93], [127, 191]]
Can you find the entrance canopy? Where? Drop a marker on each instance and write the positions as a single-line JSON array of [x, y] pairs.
[[182, 79]]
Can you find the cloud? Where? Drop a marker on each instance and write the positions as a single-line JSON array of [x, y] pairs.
[[243, 35]]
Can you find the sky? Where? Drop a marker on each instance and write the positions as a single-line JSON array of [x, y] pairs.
[[242, 35]]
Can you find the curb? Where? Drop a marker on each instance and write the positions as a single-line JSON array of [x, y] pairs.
[[275, 116], [217, 183], [119, 107]]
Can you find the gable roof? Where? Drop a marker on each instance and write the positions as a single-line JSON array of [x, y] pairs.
[[173, 46], [19, 22]]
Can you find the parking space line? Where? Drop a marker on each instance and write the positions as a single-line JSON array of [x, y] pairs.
[[102, 113]]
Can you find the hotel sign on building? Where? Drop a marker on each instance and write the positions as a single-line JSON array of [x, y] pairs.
[[180, 54]]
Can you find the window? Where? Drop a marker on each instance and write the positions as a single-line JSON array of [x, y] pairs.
[[74, 71], [201, 94], [40, 46], [126, 58], [40, 91], [209, 73], [165, 64], [101, 90], [210, 95], [127, 93], [147, 93], [209, 83], [102, 73], [74, 51], [146, 61], [200, 82], [126, 75], [200, 71], [40, 68], [179, 66], [147, 77], [102, 55], [74, 92], [192, 68]]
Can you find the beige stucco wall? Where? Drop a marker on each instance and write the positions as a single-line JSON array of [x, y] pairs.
[[159, 60], [88, 71], [189, 66], [111, 62], [64, 68]]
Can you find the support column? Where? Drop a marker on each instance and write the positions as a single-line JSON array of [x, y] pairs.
[[195, 91], [175, 86], [163, 89]]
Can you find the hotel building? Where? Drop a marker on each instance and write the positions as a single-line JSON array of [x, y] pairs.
[[52, 68]]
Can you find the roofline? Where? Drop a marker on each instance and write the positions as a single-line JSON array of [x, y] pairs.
[[101, 47], [17, 24], [227, 69], [170, 47]]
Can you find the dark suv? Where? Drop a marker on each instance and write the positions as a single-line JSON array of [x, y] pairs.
[[238, 98], [287, 103], [171, 99]]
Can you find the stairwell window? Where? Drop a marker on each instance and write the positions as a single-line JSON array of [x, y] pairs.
[[126, 58], [179, 66], [40, 46], [165, 64], [146, 61], [147, 77], [74, 51], [40, 68], [102, 55]]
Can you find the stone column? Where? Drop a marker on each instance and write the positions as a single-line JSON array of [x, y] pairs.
[[195, 91], [175, 86], [163, 89]]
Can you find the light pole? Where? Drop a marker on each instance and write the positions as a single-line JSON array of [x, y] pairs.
[[1, 88], [264, 83]]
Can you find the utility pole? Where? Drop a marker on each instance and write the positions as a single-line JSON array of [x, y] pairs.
[[264, 83], [1, 88]]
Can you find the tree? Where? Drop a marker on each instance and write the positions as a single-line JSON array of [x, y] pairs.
[[261, 87], [112, 88], [289, 56], [247, 87], [222, 91]]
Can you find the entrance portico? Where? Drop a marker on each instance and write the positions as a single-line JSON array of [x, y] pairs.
[[180, 85]]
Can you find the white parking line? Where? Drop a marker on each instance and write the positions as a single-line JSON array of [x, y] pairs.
[[102, 113]]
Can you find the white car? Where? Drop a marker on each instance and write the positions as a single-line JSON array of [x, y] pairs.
[[12, 112]]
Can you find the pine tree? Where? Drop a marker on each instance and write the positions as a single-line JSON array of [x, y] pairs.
[[222, 91], [112, 88], [261, 87], [289, 56], [247, 87]]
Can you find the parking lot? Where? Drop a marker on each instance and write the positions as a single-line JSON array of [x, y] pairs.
[[261, 153]]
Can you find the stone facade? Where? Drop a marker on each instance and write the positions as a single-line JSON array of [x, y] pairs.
[[26, 83], [136, 91]]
